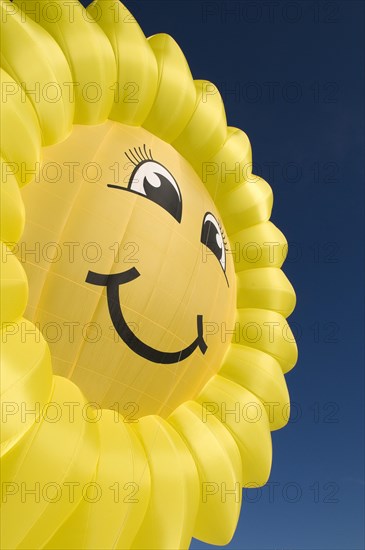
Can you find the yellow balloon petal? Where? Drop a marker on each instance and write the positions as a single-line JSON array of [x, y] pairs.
[[35, 60], [268, 331], [176, 92], [261, 245], [45, 492], [243, 414], [209, 113], [12, 207], [265, 288], [137, 75], [112, 514], [20, 136], [261, 374], [13, 285], [26, 379], [88, 53], [219, 467], [230, 166], [246, 205], [173, 506]]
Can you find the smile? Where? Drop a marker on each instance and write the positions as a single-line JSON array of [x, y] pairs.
[[112, 283]]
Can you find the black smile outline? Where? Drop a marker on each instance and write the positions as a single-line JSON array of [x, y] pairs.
[[112, 283]]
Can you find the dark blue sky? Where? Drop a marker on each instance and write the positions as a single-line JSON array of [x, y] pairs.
[[292, 77]]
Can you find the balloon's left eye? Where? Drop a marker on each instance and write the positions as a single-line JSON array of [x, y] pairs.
[[155, 182], [213, 238]]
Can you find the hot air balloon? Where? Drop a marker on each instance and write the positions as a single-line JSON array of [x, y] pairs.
[[143, 312]]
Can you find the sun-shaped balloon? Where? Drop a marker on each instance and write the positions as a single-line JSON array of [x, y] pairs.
[[144, 333]]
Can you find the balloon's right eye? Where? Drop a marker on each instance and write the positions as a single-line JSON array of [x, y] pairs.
[[153, 181]]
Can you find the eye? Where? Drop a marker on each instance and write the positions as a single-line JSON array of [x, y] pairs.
[[212, 237], [154, 181]]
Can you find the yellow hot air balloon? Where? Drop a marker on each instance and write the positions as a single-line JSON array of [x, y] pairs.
[[143, 314]]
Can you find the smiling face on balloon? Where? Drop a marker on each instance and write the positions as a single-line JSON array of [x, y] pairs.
[[136, 295]]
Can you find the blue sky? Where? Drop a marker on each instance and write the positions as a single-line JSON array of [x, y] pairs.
[[291, 75]]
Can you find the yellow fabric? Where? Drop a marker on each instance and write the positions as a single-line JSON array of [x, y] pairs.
[[20, 134], [159, 451], [36, 61]]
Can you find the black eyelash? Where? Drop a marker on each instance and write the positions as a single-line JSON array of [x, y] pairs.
[[136, 156], [225, 242]]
